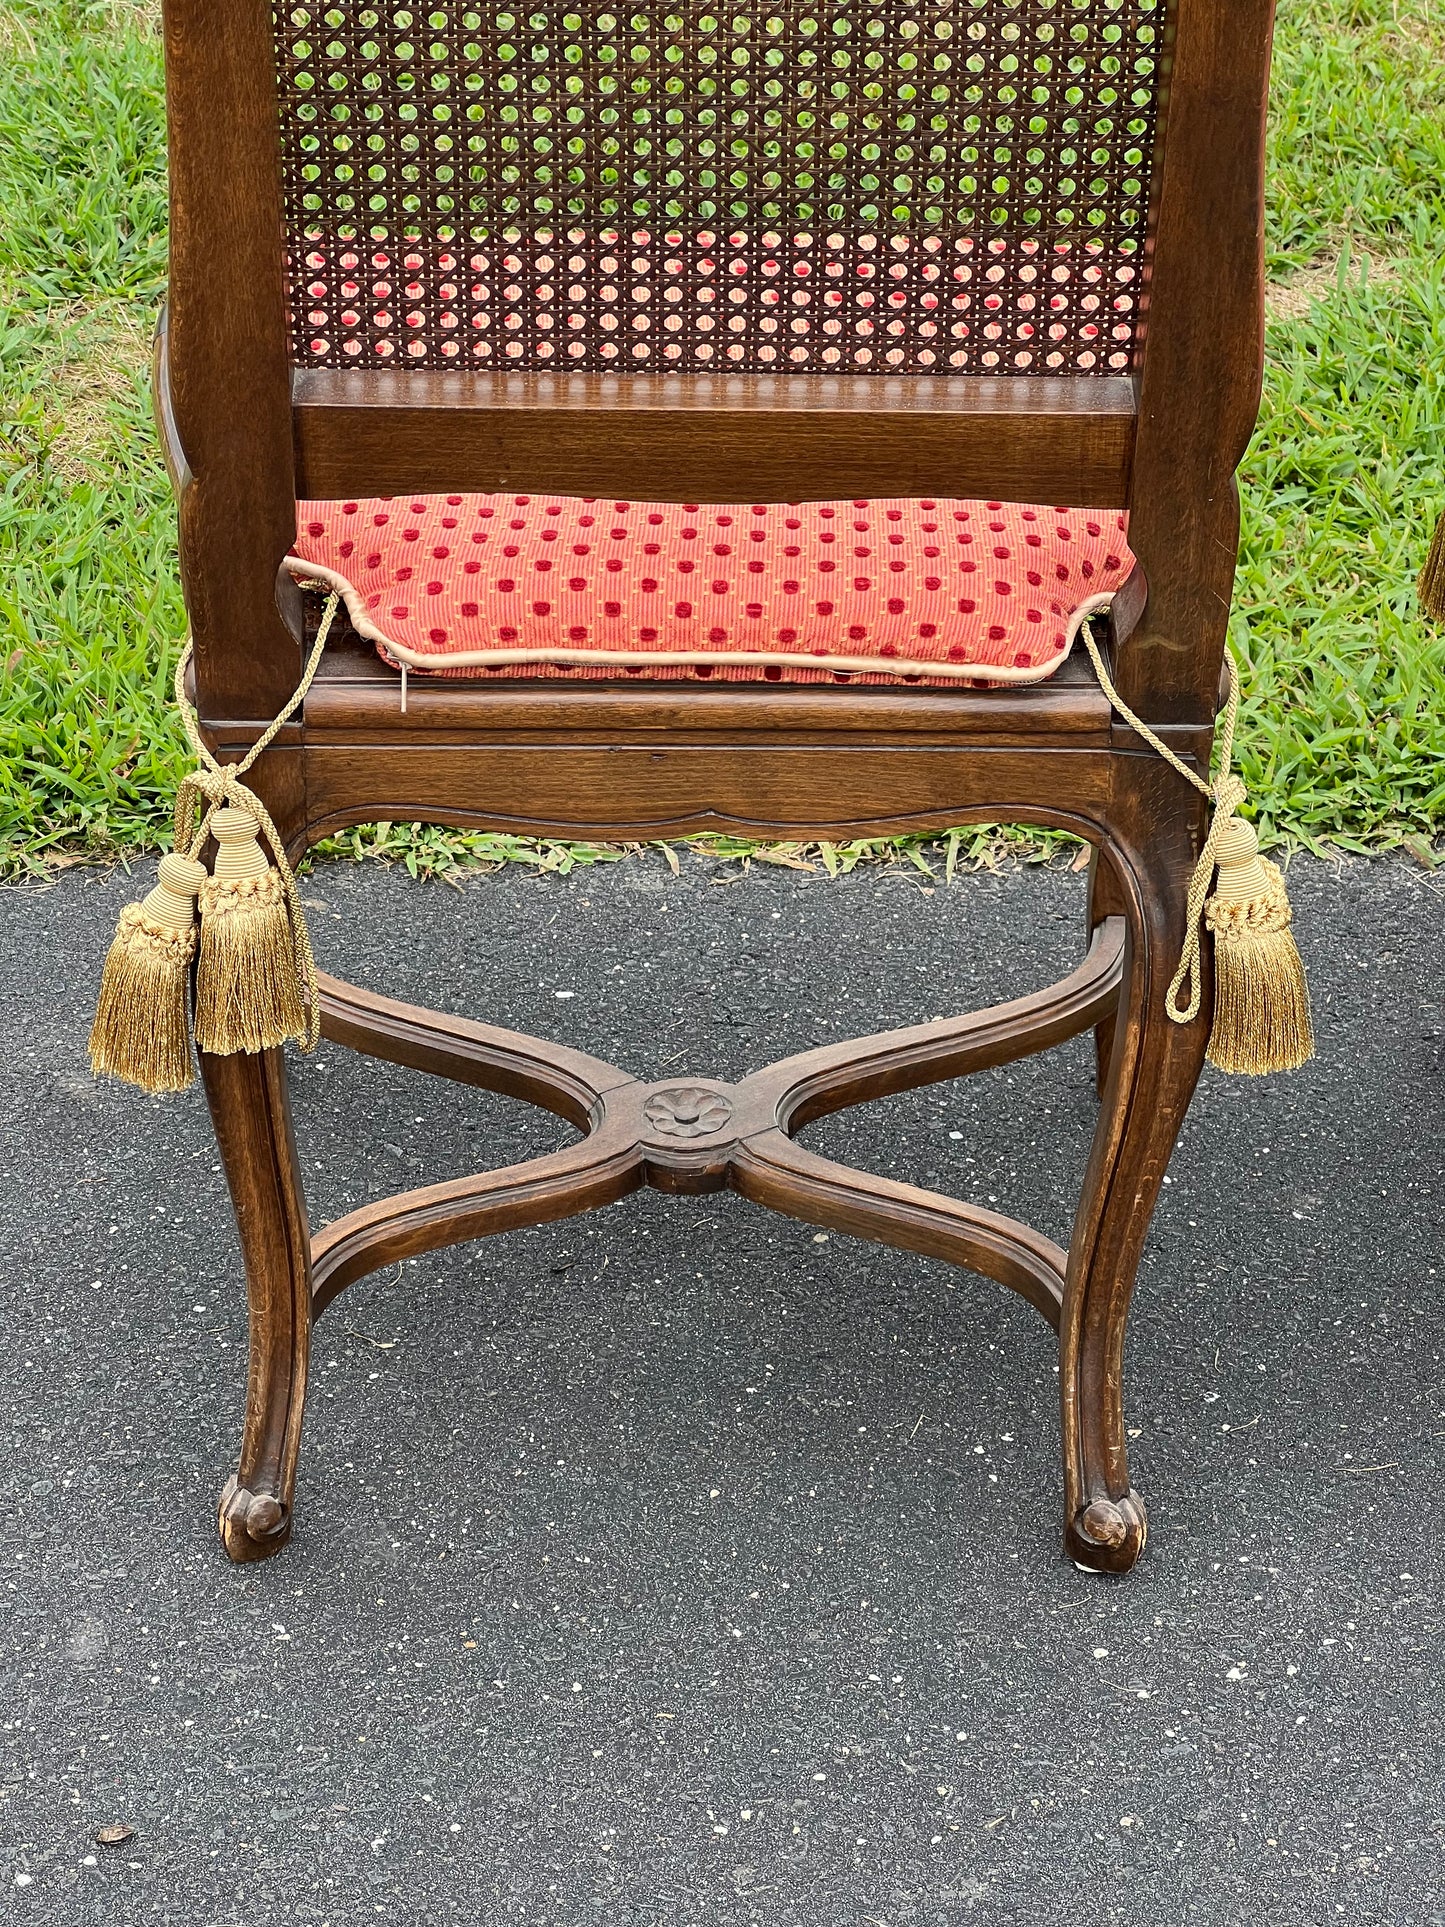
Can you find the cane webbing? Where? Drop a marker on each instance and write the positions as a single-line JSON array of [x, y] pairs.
[[918, 186]]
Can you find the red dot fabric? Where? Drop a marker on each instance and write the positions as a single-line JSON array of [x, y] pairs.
[[543, 585]]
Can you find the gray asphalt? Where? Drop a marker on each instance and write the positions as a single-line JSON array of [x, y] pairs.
[[676, 1565]]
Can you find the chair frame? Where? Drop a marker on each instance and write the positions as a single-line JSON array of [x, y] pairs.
[[246, 435]]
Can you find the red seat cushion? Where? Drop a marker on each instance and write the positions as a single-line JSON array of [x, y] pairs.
[[508, 585]]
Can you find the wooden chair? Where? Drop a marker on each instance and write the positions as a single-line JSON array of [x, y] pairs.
[[1129, 129]]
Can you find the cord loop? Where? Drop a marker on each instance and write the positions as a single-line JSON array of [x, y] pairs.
[[214, 785]]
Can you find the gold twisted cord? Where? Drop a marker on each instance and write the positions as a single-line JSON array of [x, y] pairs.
[[220, 786], [1225, 790]]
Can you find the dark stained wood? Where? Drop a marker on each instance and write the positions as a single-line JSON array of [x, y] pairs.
[[1105, 899], [774, 1171], [469, 714], [359, 701], [835, 1076], [714, 438], [630, 760], [163, 407], [1153, 822], [1202, 354], [356, 702], [229, 388], [633, 1137], [597, 1171], [1156, 823], [566, 1082], [252, 1117], [630, 1141], [626, 792]]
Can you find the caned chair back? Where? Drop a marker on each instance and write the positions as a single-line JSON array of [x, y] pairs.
[[953, 187]]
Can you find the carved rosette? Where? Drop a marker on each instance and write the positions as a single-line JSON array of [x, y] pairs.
[[687, 1110]]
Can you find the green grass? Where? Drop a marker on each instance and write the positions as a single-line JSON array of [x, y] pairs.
[[1344, 738], [1345, 721]]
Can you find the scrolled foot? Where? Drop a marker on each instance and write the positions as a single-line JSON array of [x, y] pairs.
[[1107, 1535], [252, 1525]]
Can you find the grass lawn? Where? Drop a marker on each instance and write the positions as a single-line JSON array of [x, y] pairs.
[[1344, 739]]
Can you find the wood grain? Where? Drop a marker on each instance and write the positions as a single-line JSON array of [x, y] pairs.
[[1154, 1065], [582, 1177], [835, 1076], [357, 699], [229, 385], [714, 439], [630, 792], [1201, 355], [251, 1113], [774, 1171]]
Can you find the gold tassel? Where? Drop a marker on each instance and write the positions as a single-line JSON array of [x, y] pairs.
[[248, 990], [1431, 585], [1261, 1000], [256, 983], [141, 1031]]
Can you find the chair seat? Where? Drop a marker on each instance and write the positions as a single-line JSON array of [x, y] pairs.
[[883, 591]]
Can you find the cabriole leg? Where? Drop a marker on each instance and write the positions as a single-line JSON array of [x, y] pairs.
[[251, 1111], [1153, 1067], [1106, 899]]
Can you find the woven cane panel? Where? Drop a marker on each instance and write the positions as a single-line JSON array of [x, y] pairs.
[[921, 186]]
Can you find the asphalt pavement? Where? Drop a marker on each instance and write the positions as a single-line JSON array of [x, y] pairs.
[[680, 1566]]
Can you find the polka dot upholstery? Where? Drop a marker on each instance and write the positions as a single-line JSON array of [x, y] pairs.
[[882, 591]]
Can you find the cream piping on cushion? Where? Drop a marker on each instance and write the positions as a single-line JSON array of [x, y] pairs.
[[406, 658]]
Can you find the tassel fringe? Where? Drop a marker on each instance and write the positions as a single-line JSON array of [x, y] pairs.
[[1261, 1001], [248, 997], [1431, 584], [256, 983], [140, 1031]]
